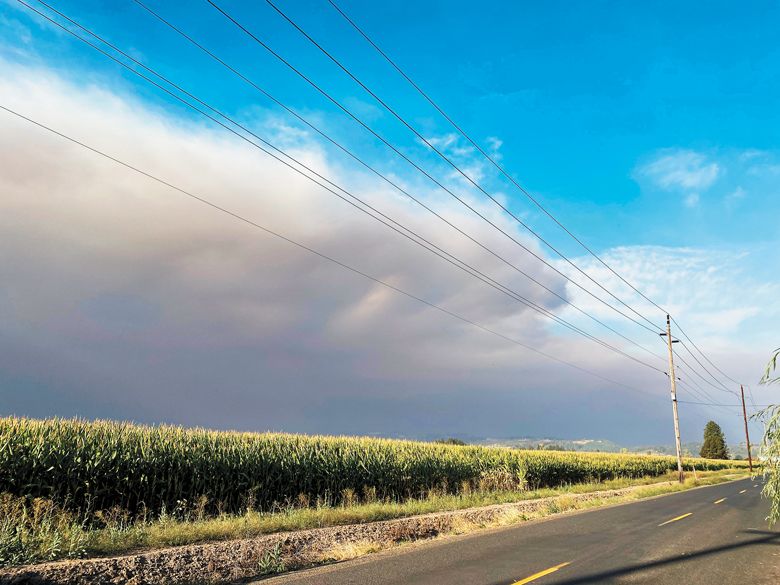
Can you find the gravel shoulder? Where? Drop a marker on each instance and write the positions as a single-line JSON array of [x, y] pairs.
[[242, 560]]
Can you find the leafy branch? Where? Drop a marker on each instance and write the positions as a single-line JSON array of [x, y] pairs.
[[771, 445], [771, 367]]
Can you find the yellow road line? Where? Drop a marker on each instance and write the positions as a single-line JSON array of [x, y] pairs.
[[675, 519], [540, 574], [743, 491], [719, 501]]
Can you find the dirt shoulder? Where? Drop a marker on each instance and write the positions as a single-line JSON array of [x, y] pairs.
[[240, 560]]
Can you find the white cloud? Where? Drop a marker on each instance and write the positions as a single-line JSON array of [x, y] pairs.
[[16, 29], [444, 141], [691, 200], [494, 143], [752, 154], [494, 147], [736, 195], [710, 291], [464, 155], [764, 169], [681, 169]]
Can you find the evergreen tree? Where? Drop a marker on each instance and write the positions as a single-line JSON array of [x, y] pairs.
[[714, 446]]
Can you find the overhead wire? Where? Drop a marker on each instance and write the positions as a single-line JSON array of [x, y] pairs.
[[696, 391], [718, 404], [724, 374], [695, 371], [693, 382], [704, 401], [713, 407], [718, 385], [750, 394]]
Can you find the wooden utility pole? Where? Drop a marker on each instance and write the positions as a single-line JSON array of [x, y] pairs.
[[673, 380], [747, 435]]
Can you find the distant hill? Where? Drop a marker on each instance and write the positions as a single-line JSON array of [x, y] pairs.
[[737, 451], [599, 445]]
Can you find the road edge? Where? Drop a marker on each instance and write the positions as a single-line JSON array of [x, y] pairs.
[[443, 539], [268, 555]]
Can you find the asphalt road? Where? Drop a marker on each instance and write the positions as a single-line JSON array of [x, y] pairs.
[[713, 535]]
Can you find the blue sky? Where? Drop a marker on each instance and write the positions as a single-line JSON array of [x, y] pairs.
[[580, 94], [650, 130]]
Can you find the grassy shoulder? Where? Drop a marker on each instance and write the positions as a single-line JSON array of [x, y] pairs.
[[42, 532], [562, 502]]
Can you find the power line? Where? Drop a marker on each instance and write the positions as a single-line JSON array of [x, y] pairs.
[[428, 245], [717, 404], [492, 161], [720, 386], [306, 248], [418, 168], [692, 382], [692, 386], [385, 178], [707, 400], [444, 157], [486, 155], [750, 393], [703, 400], [693, 370], [704, 355]]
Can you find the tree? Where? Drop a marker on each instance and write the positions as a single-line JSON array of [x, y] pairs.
[[770, 445], [714, 446], [451, 441]]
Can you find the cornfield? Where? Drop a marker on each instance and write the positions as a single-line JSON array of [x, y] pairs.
[[89, 466]]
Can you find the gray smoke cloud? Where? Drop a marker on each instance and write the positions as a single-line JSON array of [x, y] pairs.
[[121, 298]]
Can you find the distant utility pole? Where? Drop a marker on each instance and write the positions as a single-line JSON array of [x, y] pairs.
[[747, 435], [673, 380]]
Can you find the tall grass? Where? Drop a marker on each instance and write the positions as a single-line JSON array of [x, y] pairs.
[[90, 466], [37, 530]]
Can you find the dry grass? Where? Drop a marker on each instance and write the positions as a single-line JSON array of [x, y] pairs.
[[36, 530], [563, 503], [27, 536], [351, 550]]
